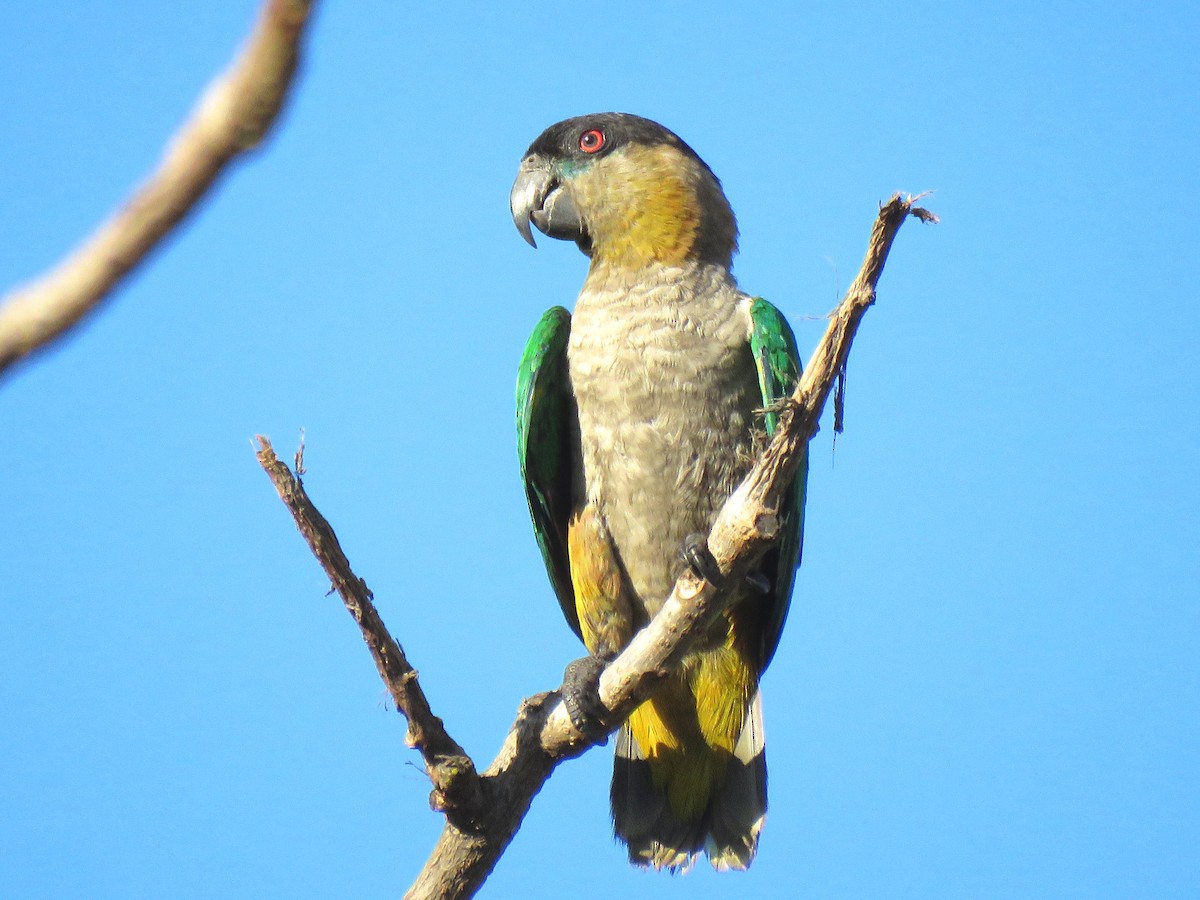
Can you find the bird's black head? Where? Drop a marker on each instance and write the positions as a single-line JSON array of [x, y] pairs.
[[586, 138], [626, 189]]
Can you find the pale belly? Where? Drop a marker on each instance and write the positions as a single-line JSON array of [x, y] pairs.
[[667, 415]]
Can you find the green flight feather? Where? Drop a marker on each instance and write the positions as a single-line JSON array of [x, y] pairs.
[[548, 447], [778, 363]]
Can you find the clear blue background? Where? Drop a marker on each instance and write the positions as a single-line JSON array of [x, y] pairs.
[[990, 680]]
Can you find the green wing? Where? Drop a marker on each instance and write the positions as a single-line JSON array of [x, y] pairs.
[[548, 447], [778, 363]]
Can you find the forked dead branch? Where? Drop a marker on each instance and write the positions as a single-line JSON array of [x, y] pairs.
[[484, 811], [232, 117]]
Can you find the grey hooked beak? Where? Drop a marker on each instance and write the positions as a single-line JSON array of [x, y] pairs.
[[538, 196]]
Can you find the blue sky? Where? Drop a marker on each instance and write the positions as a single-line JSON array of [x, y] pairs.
[[990, 680]]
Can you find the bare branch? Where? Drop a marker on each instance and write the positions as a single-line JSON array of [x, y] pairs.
[[455, 783], [482, 820], [233, 116], [746, 525]]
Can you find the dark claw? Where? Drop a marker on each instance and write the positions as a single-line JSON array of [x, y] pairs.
[[581, 696], [700, 559]]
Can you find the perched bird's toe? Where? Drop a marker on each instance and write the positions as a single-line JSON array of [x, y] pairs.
[[700, 560], [581, 696]]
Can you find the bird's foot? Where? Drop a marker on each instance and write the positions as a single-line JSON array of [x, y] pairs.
[[704, 565], [701, 561], [581, 696]]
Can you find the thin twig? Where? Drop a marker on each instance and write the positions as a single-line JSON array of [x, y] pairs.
[[233, 116], [455, 783]]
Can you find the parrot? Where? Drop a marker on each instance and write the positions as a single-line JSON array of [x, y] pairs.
[[637, 416]]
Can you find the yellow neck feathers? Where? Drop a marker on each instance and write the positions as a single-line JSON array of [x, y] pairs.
[[655, 205]]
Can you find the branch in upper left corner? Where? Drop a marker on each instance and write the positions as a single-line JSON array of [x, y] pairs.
[[234, 115]]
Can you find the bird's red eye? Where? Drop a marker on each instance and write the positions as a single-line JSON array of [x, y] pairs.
[[591, 140]]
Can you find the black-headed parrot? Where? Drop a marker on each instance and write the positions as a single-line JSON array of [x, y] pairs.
[[637, 416]]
